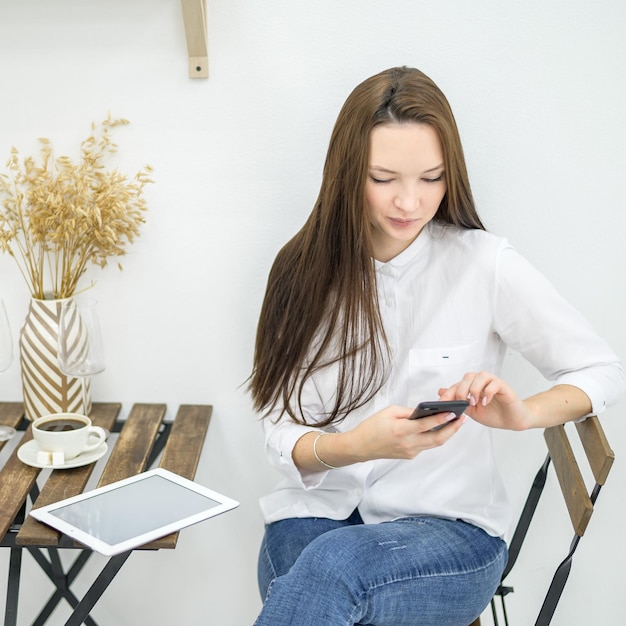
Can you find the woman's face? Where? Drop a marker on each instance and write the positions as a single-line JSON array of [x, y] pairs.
[[405, 185]]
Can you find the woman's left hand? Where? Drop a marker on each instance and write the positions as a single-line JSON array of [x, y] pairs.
[[492, 401]]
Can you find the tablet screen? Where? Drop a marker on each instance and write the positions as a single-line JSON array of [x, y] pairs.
[[120, 514]]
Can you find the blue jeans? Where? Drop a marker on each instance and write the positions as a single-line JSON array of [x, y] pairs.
[[418, 570]]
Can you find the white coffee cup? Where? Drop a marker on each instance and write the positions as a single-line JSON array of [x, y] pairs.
[[69, 433]]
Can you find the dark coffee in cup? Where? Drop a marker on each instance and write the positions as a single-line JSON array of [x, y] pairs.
[[64, 424]]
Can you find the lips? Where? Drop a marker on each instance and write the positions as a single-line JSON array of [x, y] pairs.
[[398, 223]]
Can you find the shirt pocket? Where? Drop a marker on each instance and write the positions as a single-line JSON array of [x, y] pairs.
[[433, 368]]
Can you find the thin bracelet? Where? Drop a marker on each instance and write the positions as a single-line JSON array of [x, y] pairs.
[[317, 456]]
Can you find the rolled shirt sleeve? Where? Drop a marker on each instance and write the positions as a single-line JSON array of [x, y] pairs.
[[282, 433], [280, 439]]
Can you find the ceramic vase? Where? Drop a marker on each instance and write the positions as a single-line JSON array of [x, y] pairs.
[[45, 388]]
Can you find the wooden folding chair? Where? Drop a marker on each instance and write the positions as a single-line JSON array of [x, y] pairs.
[[580, 504]]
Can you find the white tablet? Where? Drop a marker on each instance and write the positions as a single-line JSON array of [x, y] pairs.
[[134, 511]]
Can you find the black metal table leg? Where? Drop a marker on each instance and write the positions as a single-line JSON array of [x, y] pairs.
[[160, 442], [13, 587], [97, 589], [55, 572]]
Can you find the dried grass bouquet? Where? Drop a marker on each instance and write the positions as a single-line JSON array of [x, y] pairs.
[[58, 216]]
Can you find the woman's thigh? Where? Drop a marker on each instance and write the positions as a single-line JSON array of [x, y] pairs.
[[423, 570]]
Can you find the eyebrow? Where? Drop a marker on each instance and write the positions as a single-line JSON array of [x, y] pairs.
[[379, 168]]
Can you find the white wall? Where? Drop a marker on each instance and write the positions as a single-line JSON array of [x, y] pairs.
[[538, 91]]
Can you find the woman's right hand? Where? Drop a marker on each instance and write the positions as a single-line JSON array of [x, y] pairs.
[[387, 434], [390, 434]]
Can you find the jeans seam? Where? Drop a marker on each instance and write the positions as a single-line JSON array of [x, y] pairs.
[[474, 570]]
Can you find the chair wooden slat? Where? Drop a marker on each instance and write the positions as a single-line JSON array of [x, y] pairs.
[[570, 478], [64, 484], [596, 448]]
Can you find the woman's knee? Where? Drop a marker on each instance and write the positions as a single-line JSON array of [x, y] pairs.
[[333, 559]]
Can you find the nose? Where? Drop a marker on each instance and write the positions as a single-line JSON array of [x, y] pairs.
[[407, 199]]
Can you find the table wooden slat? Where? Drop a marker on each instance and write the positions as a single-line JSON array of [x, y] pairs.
[[132, 449], [16, 482], [64, 484], [182, 452], [186, 441]]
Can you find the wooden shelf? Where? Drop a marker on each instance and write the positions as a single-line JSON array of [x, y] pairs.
[[194, 17]]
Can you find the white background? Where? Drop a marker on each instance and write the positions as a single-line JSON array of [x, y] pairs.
[[538, 89]]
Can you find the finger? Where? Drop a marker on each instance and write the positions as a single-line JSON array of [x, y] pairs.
[[474, 385], [442, 433], [449, 393], [401, 412], [483, 388], [432, 423], [460, 390]]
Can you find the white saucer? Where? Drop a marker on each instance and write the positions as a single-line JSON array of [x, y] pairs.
[[27, 453]]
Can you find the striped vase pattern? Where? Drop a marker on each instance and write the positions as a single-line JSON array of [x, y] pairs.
[[46, 389]]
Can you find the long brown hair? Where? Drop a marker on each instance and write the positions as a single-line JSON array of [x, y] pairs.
[[321, 304]]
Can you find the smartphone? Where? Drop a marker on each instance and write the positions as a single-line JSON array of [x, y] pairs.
[[433, 407]]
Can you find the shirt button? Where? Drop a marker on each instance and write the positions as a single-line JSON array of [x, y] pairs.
[[391, 302]]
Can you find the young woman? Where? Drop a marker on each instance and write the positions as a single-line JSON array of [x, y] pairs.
[[393, 293]]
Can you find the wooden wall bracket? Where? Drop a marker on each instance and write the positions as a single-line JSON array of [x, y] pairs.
[[194, 17]]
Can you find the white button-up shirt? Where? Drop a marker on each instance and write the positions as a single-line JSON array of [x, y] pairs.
[[450, 303]]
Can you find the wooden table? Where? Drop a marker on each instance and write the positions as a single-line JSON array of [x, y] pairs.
[[141, 438]]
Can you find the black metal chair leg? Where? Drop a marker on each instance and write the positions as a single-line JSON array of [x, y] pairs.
[[494, 613], [556, 587], [506, 616], [527, 515]]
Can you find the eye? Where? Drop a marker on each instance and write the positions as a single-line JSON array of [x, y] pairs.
[[434, 180], [380, 181]]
